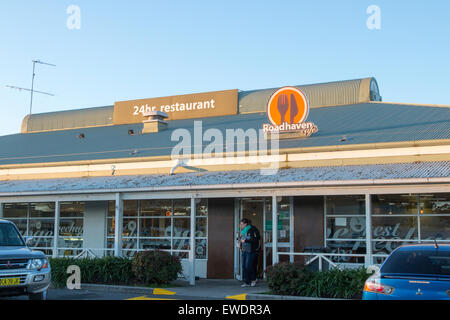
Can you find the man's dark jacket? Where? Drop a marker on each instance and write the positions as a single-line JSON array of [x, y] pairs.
[[252, 242]]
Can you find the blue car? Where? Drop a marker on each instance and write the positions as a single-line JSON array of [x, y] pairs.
[[412, 272]]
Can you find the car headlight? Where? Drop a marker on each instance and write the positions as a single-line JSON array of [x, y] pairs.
[[37, 264]]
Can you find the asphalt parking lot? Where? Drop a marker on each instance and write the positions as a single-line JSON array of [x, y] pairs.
[[205, 289], [65, 294]]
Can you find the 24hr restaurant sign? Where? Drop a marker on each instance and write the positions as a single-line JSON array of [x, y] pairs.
[[287, 110], [188, 106]]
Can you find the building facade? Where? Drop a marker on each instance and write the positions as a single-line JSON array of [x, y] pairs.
[[345, 177]]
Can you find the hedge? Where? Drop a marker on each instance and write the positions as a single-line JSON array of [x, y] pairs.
[[107, 270], [117, 270], [156, 267], [295, 280]]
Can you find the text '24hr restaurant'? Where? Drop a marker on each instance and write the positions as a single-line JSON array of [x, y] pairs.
[[324, 170]]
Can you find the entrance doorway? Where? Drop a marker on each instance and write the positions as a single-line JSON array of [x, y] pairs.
[[259, 212]]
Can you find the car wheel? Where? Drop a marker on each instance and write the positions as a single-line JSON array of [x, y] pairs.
[[38, 296]]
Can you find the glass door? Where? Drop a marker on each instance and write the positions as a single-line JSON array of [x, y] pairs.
[[253, 210], [259, 212]]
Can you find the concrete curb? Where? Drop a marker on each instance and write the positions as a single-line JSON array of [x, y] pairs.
[[256, 296], [149, 291]]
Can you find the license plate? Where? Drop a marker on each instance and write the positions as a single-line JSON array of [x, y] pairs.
[[9, 282]]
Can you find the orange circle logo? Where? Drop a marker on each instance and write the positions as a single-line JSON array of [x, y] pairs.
[[288, 105]]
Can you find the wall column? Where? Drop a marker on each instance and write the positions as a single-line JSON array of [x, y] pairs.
[[274, 230], [192, 244], [369, 258], [94, 234], [118, 226], [56, 230]]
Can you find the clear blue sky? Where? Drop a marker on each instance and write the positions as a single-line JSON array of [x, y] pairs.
[[141, 49]]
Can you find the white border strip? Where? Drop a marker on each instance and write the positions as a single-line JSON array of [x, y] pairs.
[[91, 169]]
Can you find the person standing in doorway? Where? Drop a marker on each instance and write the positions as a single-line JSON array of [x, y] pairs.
[[249, 243]]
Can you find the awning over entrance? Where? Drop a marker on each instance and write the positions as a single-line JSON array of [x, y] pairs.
[[317, 176]]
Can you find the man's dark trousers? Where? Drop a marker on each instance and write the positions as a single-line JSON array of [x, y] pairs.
[[248, 266]]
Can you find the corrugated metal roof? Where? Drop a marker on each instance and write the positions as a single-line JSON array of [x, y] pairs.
[[341, 173], [360, 124]]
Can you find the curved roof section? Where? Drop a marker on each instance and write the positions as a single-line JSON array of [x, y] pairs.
[[319, 95], [70, 119]]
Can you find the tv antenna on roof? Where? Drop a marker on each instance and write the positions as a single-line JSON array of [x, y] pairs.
[[32, 83]]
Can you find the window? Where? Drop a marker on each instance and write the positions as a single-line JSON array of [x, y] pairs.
[[409, 218], [17, 213], [396, 219], [395, 222], [424, 262], [71, 221], [345, 221], [41, 224], [9, 236], [393, 204], [284, 207], [34, 219], [160, 224], [435, 217], [201, 229]]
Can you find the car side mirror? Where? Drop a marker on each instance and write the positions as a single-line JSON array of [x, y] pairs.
[[28, 240]]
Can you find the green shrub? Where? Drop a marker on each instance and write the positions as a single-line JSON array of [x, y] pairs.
[[156, 267], [287, 278], [107, 270], [294, 279], [147, 267]]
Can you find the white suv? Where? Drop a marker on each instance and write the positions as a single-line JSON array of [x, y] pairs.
[[22, 270]]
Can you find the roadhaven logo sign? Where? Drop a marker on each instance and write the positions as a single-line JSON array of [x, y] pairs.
[[287, 110]]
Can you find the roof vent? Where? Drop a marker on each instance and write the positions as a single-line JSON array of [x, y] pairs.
[[154, 122]]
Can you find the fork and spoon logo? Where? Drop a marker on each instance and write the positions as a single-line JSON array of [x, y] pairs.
[[284, 105], [288, 105]]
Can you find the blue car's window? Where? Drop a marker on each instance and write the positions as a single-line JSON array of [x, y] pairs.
[[9, 237], [425, 262]]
